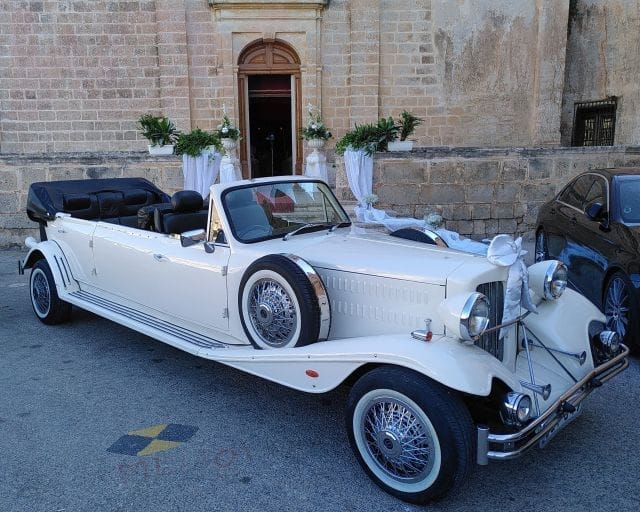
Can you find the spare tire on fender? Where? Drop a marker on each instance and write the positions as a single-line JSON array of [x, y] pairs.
[[283, 303]]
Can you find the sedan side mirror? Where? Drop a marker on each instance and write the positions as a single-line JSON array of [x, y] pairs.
[[597, 213], [594, 212]]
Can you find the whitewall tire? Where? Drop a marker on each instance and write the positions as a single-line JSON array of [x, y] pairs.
[[277, 304], [44, 297], [413, 436]]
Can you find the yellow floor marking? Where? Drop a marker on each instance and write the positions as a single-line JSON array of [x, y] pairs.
[[156, 446], [149, 431]]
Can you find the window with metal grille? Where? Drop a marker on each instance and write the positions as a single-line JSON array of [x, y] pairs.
[[594, 123]]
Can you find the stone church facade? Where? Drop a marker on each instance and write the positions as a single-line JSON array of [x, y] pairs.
[[75, 75]]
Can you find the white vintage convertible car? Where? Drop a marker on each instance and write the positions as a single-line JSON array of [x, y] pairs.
[[269, 277]]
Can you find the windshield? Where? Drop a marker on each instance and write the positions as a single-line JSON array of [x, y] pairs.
[[263, 211], [629, 199]]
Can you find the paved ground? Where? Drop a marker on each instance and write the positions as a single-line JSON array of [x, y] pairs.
[[68, 395]]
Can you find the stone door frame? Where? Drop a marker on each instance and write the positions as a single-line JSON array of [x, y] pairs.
[[269, 57]]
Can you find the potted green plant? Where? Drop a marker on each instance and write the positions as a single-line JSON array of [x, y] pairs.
[[315, 133], [160, 131], [228, 134], [369, 137], [406, 126], [195, 142], [200, 161]]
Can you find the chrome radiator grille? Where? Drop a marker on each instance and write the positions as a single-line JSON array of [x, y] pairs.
[[491, 342]]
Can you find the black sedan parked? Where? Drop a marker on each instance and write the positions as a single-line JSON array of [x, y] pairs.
[[593, 226]]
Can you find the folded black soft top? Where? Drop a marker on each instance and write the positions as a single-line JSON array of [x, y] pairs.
[[46, 198]]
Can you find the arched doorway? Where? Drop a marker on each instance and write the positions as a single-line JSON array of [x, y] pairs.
[[270, 115]]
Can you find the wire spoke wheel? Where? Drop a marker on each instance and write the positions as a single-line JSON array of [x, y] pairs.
[[272, 312], [40, 293], [617, 305], [278, 305], [44, 296], [398, 440], [411, 435]]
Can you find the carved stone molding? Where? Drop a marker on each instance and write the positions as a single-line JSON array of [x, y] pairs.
[[291, 4]]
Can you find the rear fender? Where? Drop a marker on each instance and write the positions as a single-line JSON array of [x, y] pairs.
[[52, 253]]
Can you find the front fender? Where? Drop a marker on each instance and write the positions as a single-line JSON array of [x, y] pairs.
[[323, 366], [564, 323]]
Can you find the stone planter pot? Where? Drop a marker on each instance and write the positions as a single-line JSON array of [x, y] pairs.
[[400, 145], [229, 146], [315, 144], [158, 150]]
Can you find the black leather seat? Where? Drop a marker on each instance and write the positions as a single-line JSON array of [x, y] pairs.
[[186, 213], [146, 215]]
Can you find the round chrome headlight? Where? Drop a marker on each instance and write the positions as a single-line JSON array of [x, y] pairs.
[[516, 408], [474, 317], [555, 280], [610, 342]]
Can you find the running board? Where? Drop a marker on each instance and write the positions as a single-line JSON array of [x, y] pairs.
[[142, 322]]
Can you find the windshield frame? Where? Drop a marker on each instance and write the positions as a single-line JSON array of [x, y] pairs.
[[328, 200]]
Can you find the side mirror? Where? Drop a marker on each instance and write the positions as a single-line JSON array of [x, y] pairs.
[[594, 211], [192, 237]]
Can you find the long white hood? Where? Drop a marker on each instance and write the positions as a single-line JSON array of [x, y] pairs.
[[386, 256]]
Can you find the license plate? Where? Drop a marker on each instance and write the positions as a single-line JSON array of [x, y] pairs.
[[564, 421]]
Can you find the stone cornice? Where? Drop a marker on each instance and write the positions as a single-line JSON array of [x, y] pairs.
[[283, 4]]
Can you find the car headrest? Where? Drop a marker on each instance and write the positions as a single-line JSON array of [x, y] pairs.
[[239, 198], [185, 201]]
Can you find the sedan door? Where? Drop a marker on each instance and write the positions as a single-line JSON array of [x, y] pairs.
[[563, 244], [150, 270], [593, 240]]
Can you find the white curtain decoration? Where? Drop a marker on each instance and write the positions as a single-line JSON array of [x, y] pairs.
[[200, 172], [230, 165], [228, 171], [359, 169], [316, 166]]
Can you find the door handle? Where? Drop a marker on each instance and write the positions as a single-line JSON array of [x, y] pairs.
[[574, 221], [159, 257]]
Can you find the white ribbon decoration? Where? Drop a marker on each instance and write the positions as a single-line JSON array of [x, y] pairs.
[[504, 251]]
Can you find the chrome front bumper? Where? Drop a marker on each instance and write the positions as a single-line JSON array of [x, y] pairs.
[[540, 431]]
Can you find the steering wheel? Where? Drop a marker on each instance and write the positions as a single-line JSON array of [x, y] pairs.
[[254, 231]]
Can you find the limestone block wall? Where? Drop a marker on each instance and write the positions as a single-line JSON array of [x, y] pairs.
[[17, 172], [480, 192], [602, 61], [74, 76]]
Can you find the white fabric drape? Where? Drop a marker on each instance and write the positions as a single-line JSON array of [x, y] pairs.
[[200, 172], [359, 169], [228, 170], [316, 166]]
